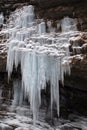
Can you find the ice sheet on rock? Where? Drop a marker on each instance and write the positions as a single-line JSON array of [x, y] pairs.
[[5, 127], [23, 17], [42, 28], [19, 122], [68, 24]]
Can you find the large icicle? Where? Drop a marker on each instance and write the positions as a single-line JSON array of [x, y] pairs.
[[43, 57]]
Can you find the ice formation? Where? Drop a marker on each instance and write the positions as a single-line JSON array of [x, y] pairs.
[[1, 19], [18, 94], [42, 56], [68, 24], [50, 28]]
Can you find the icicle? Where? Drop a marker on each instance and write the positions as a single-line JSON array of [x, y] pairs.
[[42, 28], [11, 56], [50, 28]]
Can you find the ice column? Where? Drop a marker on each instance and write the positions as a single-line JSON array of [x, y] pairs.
[[68, 24], [42, 28]]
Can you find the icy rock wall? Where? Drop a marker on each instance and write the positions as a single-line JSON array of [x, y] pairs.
[[43, 56]]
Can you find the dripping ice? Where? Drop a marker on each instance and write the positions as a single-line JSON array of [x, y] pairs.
[[42, 56]]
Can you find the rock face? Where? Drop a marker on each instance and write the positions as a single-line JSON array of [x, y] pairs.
[[54, 11], [52, 3], [78, 77], [58, 9]]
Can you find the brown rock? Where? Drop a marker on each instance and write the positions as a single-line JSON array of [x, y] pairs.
[[84, 48], [77, 41], [78, 77]]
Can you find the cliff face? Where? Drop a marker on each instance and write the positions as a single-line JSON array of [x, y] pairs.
[[55, 10], [58, 9]]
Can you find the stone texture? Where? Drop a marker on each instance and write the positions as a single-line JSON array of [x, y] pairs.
[[53, 3]]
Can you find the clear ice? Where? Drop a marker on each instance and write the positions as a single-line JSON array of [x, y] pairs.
[[43, 57]]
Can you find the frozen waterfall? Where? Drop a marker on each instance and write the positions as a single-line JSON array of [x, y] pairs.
[[18, 94], [43, 57]]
